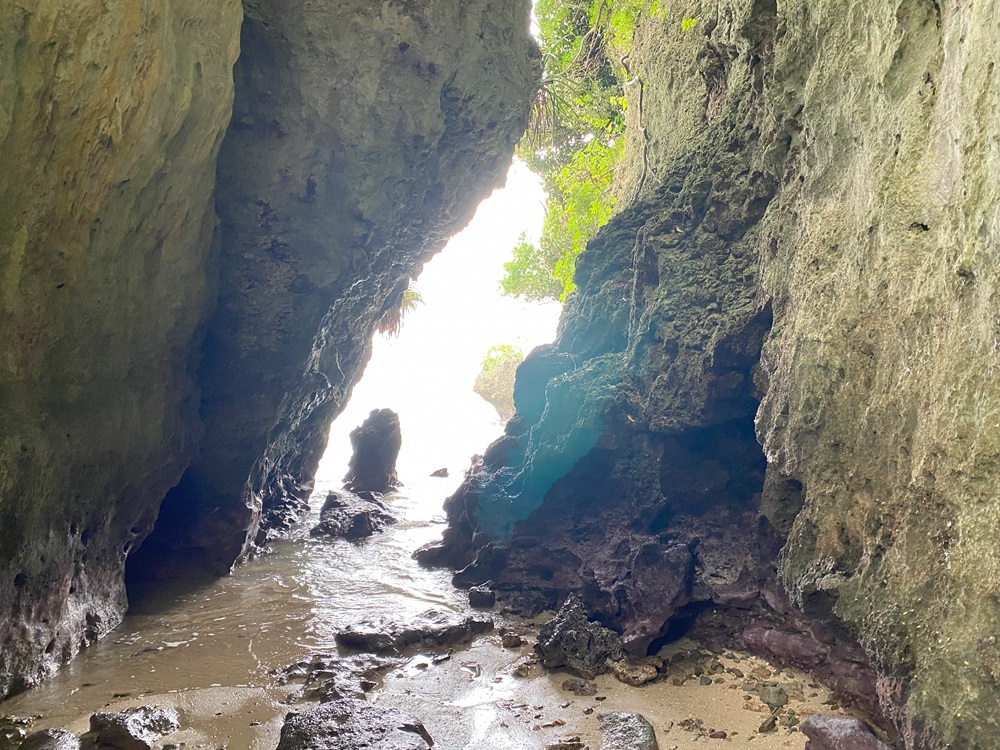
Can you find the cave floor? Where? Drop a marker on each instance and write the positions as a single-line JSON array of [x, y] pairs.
[[213, 652]]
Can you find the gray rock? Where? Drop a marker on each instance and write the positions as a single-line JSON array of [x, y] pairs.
[[775, 697], [326, 677], [353, 724], [837, 733], [133, 728], [51, 739], [482, 597], [571, 640], [579, 687], [430, 628], [627, 731], [352, 516], [376, 445]]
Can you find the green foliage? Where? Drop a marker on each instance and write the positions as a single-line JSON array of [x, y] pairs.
[[499, 355], [688, 23], [392, 320], [575, 134]]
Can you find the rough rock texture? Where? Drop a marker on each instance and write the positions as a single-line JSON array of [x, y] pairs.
[[430, 628], [111, 116], [627, 731], [352, 516], [353, 723], [132, 729], [51, 739], [838, 733], [571, 640], [825, 179], [363, 136], [375, 445]]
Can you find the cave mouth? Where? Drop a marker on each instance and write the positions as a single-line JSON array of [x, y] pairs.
[[423, 368]]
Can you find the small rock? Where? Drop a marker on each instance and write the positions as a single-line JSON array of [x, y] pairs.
[[567, 743], [627, 731], [769, 725], [579, 687], [442, 472], [718, 735], [51, 739], [704, 680], [482, 597], [835, 733], [636, 671], [773, 696], [133, 728], [511, 640]]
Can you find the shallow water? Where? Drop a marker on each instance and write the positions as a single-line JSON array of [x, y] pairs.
[[270, 613]]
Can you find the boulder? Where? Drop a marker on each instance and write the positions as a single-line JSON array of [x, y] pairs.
[[352, 516], [627, 731], [839, 733], [51, 739], [482, 597], [571, 640], [432, 628], [353, 723], [132, 729], [376, 445]]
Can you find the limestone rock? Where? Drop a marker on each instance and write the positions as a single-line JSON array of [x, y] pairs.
[[133, 728], [571, 640], [431, 628], [352, 516], [375, 446], [627, 731], [111, 116], [839, 733], [353, 723]]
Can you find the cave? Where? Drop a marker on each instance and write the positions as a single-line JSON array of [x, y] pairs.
[[768, 420]]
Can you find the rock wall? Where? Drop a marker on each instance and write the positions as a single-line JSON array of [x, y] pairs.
[[827, 179], [111, 116], [149, 346]]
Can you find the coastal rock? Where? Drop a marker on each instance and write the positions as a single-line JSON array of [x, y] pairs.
[[431, 628], [133, 728], [353, 724], [482, 597], [327, 677], [375, 445], [636, 671], [839, 733], [627, 731], [51, 739], [352, 516], [571, 640]]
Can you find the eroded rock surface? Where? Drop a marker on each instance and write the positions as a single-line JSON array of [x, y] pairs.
[[353, 723], [432, 628], [133, 728], [839, 733], [627, 731], [50, 739], [352, 516], [571, 640], [375, 445]]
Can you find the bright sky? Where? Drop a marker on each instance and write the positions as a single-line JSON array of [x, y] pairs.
[[426, 374]]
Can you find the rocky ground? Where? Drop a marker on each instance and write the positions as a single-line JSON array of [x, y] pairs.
[[472, 691]]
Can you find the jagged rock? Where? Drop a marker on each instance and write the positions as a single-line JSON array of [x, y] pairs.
[[51, 739], [482, 597], [440, 473], [353, 724], [571, 640], [431, 628], [13, 730], [327, 677], [376, 445], [133, 728], [627, 731], [352, 516], [839, 733]]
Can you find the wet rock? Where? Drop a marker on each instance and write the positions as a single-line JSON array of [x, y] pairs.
[[627, 731], [376, 445], [571, 640], [579, 687], [431, 628], [442, 472], [353, 724], [510, 639], [482, 597], [567, 743], [636, 671], [837, 733], [352, 516], [133, 728], [327, 677], [51, 739], [12, 730]]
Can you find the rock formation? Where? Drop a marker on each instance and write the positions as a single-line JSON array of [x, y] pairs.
[[375, 444], [149, 345], [802, 259]]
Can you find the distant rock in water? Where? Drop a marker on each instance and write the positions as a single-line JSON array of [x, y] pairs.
[[352, 516], [376, 445], [443, 472]]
